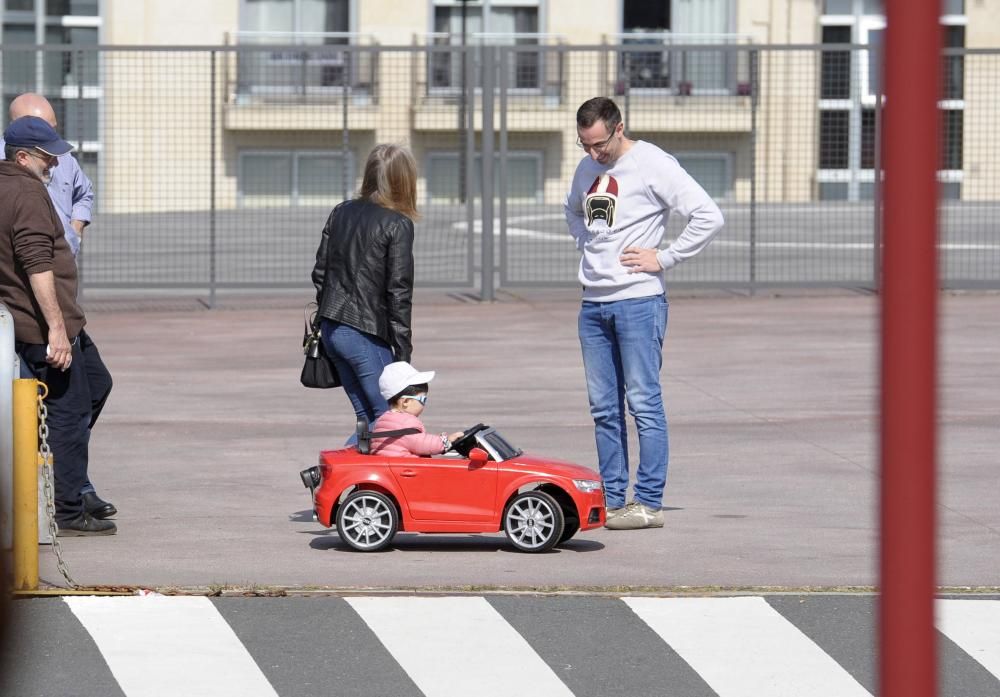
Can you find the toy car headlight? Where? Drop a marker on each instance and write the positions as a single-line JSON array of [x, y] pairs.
[[311, 477], [587, 485]]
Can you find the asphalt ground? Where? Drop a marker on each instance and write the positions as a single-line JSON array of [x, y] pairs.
[[829, 243], [772, 405]]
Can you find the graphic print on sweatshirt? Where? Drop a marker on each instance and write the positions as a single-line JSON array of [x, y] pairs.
[[600, 204]]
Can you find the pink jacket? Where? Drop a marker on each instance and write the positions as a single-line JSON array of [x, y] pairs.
[[413, 445]]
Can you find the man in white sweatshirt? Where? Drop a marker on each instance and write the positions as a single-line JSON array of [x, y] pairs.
[[617, 210]]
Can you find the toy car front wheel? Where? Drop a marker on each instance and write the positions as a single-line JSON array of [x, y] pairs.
[[533, 521], [367, 521]]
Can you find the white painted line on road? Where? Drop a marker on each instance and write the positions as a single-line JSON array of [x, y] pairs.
[[742, 647], [159, 646], [562, 234], [975, 626], [946, 246], [457, 647]]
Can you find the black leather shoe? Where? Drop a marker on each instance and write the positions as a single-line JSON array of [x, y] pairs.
[[86, 526], [98, 508]]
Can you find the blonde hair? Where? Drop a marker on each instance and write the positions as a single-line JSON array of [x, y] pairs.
[[391, 179]]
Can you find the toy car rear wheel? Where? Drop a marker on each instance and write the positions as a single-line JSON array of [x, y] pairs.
[[533, 521], [367, 521]]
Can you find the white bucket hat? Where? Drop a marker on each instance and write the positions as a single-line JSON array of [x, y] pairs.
[[397, 376]]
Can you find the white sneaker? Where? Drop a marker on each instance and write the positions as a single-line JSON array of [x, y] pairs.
[[614, 512], [636, 516]]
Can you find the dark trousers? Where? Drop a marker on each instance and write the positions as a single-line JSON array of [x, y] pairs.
[[75, 400]]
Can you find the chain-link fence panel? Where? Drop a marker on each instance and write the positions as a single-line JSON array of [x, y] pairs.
[[217, 167], [970, 176]]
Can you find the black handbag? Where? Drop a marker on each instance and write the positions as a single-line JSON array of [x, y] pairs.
[[318, 370]]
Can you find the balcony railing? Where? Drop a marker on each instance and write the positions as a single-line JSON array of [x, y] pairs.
[[528, 70], [287, 67], [650, 61]]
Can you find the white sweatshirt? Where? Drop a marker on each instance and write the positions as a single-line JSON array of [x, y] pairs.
[[627, 205]]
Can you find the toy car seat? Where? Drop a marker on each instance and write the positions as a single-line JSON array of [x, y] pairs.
[[365, 436]]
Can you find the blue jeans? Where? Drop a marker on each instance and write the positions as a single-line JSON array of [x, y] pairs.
[[359, 359], [622, 344]]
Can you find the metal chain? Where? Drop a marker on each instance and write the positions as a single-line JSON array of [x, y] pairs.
[[45, 453]]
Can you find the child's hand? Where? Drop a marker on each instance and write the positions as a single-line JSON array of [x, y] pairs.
[[455, 436]]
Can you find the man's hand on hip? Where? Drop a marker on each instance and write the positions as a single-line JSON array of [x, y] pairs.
[[638, 259]]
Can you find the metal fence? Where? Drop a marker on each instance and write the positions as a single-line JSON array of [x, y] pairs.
[[216, 167]]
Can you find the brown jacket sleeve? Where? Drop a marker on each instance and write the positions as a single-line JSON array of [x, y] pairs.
[[32, 232]]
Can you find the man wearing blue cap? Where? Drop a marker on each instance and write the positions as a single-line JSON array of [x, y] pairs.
[[38, 284], [71, 190]]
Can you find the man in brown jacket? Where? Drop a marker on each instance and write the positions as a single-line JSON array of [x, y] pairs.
[[38, 284]]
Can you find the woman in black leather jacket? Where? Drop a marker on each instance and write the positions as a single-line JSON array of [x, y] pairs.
[[364, 277]]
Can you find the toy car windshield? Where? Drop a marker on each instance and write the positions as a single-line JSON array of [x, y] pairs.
[[487, 438], [497, 446]]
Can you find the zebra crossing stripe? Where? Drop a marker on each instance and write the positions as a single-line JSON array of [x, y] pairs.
[[742, 647], [160, 646], [485, 656], [975, 627]]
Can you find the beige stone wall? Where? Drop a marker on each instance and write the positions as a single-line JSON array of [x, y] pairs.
[[582, 22], [169, 22], [156, 118], [158, 105], [391, 22], [981, 144]]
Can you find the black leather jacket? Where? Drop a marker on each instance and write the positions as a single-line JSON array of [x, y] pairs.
[[364, 272]]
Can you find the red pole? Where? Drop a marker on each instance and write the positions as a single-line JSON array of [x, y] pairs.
[[911, 152]]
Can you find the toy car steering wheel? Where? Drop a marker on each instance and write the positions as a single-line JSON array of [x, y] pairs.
[[467, 441]]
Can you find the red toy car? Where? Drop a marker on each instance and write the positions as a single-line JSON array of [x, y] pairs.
[[484, 484]]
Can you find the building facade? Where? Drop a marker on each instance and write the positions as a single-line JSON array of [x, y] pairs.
[[287, 109]]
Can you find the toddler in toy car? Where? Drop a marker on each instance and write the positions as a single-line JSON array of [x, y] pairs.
[[405, 389]]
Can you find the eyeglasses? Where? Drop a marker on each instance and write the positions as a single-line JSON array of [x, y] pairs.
[[43, 156], [596, 146], [422, 398]]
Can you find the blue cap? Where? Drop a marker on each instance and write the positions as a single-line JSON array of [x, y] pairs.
[[34, 132]]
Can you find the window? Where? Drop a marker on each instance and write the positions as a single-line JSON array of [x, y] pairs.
[[77, 118], [57, 8], [71, 67], [951, 138], [847, 145], [867, 139], [711, 170], [833, 130], [954, 66], [18, 66], [653, 26], [835, 67], [302, 73], [950, 191], [287, 16], [500, 22], [953, 113], [291, 178], [833, 191], [524, 176]]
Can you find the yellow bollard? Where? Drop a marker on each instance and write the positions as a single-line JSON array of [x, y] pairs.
[[26, 464]]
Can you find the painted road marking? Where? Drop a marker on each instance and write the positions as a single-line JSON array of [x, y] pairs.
[[158, 646], [975, 626], [456, 647], [742, 647]]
